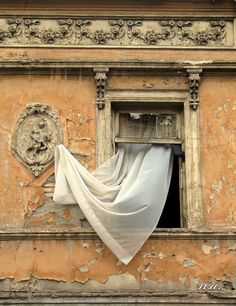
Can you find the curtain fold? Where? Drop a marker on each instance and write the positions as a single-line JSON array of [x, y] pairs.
[[122, 199]]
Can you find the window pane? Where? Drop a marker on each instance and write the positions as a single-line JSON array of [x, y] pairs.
[[141, 125]]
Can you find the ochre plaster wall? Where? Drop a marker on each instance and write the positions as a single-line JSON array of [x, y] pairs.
[[88, 264], [162, 265], [72, 97], [218, 149]]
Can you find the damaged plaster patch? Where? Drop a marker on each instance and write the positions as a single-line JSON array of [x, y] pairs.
[[70, 216], [222, 108], [86, 245], [24, 184], [208, 248], [160, 255], [84, 269], [216, 188], [194, 63], [230, 165], [122, 281], [189, 263], [232, 246]]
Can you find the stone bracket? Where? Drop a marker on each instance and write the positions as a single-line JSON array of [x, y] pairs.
[[100, 79], [194, 79]]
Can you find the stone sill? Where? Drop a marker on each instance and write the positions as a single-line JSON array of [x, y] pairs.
[[160, 233]]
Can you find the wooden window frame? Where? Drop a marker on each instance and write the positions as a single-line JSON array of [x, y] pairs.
[[146, 110]]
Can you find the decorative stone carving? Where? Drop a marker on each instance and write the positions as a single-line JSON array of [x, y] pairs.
[[215, 33], [103, 31], [194, 78], [48, 36], [100, 78], [179, 32], [151, 37], [13, 29], [99, 36], [37, 132]]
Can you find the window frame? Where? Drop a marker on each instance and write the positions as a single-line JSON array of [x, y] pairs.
[[147, 110], [192, 216]]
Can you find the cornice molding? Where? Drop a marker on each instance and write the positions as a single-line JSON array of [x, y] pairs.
[[90, 65]]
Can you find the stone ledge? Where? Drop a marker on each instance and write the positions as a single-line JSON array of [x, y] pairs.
[[116, 298], [75, 65], [169, 234]]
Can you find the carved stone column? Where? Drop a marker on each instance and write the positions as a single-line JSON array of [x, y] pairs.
[[103, 110], [100, 78], [192, 153]]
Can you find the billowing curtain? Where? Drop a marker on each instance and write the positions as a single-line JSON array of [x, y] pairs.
[[122, 199]]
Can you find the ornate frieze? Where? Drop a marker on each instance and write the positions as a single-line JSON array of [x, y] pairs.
[[116, 32], [37, 132]]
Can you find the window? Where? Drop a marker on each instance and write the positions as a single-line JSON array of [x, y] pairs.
[[160, 125], [160, 117]]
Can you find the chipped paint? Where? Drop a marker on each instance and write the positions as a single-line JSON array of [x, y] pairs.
[[207, 249], [79, 265], [189, 263]]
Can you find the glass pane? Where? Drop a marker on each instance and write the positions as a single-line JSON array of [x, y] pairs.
[[141, 125]]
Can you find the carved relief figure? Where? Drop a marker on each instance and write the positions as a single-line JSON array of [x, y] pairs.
[[37, 132], [39, 142]]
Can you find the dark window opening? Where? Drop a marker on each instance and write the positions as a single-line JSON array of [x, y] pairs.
[[170, 217]]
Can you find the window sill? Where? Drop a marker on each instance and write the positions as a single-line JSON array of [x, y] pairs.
[[159, 233]]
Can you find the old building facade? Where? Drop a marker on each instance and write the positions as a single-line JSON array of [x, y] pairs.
[[68, 70]]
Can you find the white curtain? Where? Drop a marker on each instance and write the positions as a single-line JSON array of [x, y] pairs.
[[123, 199]]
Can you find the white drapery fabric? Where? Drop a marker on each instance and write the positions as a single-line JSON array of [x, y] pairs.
[[122, 199]]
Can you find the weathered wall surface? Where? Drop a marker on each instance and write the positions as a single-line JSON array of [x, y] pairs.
[[80, 265], [72, 98], [172, 265], [88, 264], [218, 132]]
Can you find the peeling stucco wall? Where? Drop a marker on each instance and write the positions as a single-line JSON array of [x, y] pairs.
[[88, 264], [72, 97], [172, 265], [218, 139], [80, 265]]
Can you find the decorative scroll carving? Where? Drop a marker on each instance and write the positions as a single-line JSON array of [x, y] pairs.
[[151, 37], [103, 31], [216, 33], [99, 36], [194, 78], [36, 134], [100, 78], [13, 29], [50, 35]]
